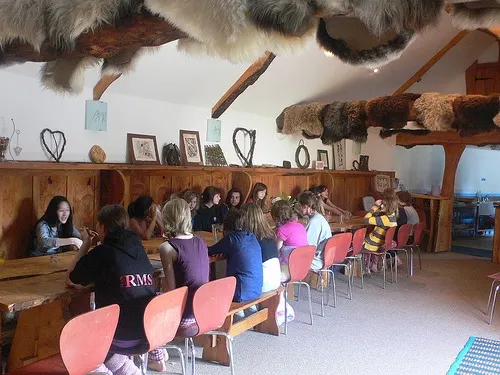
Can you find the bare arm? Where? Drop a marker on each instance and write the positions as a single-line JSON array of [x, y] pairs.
[[84, 249], [279, 244], [168, 256], [145, 234], [329, 206]]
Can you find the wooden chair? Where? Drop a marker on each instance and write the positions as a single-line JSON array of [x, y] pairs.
[[335, 253], [211, 303], [356, 256], [299, 263], [87, 336], [162, 317]]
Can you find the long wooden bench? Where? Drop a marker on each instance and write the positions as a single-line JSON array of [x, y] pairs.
[[264, 321]]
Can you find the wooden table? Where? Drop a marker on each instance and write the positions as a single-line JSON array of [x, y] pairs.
[[348, 224], [35, 266]]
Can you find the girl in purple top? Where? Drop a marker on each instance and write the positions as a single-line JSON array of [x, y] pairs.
[[289, 234], [184, 258]]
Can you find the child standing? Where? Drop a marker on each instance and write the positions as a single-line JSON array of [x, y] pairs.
[[244, 259], [184, 258], [122, 274], [55, 230], [317, 228]]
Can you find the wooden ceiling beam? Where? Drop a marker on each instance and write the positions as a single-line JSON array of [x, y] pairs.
[[429, 64], [451, 137], [248, 78], [103, 85]]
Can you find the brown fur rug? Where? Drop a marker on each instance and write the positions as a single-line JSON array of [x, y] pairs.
[[474, 114], [390, 112]]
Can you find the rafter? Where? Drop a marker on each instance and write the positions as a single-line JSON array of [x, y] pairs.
[[451, 137], [103, 85], [248, 78], [429, 64]]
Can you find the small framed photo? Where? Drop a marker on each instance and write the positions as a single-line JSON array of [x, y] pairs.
[[190, 148], [142, 149], [320, 164], [323, 156]]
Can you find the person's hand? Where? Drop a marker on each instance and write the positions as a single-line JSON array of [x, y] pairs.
[[87, 235], [378, 202], [77, 242], [153, 211], [347, 214]]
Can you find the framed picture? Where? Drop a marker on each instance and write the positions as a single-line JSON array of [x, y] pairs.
[[142, 149], [190, 148], [323, 156], [339, 155], [320, 164]]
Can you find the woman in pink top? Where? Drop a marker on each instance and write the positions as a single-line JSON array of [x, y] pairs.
[[289, 234]]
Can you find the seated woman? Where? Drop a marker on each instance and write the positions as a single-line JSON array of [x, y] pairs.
[[234, 199], [289, 234], [317, 228], [259, 195], [144, 218], [55, 231], [191, 197], [326, 204], [405, 201], [244, 259], [210, 211], [384, 216], [184, 258], [254, 221]]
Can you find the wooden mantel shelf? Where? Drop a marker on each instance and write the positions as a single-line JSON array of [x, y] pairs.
[[53, 166]]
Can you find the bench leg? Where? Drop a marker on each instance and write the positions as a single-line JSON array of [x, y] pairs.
[[215, 346], [270, 326]]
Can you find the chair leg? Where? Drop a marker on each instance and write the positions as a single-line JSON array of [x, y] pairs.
[[229, 344], [181, 355], [322, 294], [419, 258], [360, 260], [193, 356], [186, 353], [491, 293], [384, 263], [493, 304], [334, 290], [310, 301], [410, 266], [350, 280], [285, 295], [144, 363]]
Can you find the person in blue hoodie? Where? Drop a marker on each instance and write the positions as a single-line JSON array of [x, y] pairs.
[[122, 274], [244, 257]]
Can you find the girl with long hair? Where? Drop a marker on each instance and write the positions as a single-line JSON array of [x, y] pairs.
[[144, 218], [55, 231], [259, 195], [234, 199]]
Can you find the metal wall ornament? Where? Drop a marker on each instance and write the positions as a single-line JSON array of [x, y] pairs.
[[246, 161], [59, 143], [303, 148]]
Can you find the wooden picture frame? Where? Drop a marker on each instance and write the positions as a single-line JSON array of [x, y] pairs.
[[190, 147], [142, 149], [339, 155], [323, 156]]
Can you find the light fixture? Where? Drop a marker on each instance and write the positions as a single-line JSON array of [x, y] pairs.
[[328, 53], [376, 70]]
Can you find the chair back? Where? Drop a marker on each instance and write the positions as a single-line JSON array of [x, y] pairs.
[[162, 317], [336, 249], [389, 237], [417, 233], [368, 203], [85, 340], [211, 303], [421, 216], [300, 261], [404, 234], [358, 240]]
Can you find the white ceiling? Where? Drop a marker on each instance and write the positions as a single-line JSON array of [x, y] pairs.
[[168, 75]]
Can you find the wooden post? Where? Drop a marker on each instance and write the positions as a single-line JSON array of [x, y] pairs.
[[496, 237], [452, 155]]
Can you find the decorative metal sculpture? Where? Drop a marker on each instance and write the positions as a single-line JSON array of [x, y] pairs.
[[245, 160], [59, 144]]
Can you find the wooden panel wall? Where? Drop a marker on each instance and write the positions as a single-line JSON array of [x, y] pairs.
[[483, 79], [24, 197]]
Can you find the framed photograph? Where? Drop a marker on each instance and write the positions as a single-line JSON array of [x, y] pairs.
[[323, 156], [142, 149], [320, 164], [339, 155], [190, 148]]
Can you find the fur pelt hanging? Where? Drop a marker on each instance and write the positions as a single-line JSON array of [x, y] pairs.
[[66, 75], [344, 120], [59, 21], [125, 61], [465, 18], [474, 114], [301, 117], [435, 111], [233, 36], [349, 40], [390, 112]]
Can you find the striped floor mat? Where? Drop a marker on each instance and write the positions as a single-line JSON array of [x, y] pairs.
[[478, 357]]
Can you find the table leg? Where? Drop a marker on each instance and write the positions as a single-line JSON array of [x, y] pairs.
[[38, 330]]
